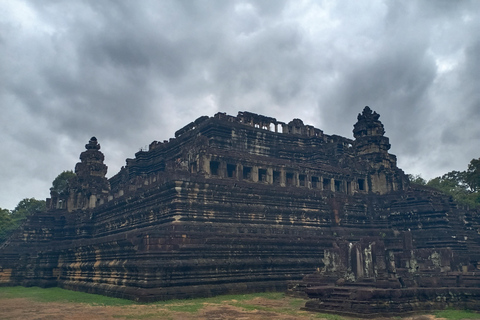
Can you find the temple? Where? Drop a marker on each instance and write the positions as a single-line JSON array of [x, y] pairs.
[[246, 203]]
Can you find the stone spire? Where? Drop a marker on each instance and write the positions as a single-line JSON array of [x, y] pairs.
[[369, 133], [371, 149], [90, 187], [91, 164]]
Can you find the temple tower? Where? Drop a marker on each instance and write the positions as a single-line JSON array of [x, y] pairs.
[[90, 187], [371, 150], [369, 134]]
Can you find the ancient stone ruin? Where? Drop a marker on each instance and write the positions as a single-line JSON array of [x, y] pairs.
[[246, 203]]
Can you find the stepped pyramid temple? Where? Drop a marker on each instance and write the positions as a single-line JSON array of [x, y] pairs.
[[246, 203]]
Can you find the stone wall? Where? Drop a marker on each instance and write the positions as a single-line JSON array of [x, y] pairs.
[[231, 204]]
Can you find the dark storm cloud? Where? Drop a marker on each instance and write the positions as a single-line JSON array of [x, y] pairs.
[[133, 72]]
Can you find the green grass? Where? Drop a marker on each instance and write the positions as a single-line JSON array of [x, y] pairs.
[[188, 307], [329, 316], [166, 308], [297, 303], [165, 315], [457, 314], [60, 295]]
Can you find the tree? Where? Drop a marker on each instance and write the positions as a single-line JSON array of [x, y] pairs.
[[451, 182], [6, 224], [60, 184], [10, 220], [454, 183], [27, 207], [472, 176], [417, 179]]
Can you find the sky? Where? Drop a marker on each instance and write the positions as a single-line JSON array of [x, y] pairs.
[[131, 72]]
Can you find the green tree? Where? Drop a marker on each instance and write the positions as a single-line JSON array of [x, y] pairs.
[[451, 182], [60, 184], [417, 179], [454, 183], [10, 220], [6, 224], [472, 176], [27, 207]]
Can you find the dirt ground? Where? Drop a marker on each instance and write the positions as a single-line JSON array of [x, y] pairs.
[[257, 308]]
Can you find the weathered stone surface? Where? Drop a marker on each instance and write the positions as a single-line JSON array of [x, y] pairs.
[[240, 204], [428, 262]]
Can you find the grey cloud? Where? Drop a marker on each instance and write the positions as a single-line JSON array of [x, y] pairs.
[[131, 72]]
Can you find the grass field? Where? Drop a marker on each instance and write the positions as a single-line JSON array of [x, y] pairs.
[[56, 303]]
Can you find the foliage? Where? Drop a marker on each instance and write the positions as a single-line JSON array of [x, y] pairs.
[[60, 184], [472, 175], [417, 179], [454, 183], [10, 220], [6, 224], [27, 207], [463, 186]]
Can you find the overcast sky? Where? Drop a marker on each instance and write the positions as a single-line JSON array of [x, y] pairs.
[[130, 72]]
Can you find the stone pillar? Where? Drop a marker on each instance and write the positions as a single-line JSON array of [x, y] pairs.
[[254, 174], [92, 202], [71, 202], [222, 169], [204, 164], [270, 175]]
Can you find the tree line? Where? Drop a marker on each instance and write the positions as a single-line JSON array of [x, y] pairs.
[[463, 186], [10, 220]]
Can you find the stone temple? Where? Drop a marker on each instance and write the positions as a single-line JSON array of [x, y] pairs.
[[246, 203]]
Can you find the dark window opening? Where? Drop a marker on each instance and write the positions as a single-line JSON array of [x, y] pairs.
[[326, 184], [314, 182], [301, 179], [262, 175], [276, 177], [338, 185], [214, 165], [231, 169], [247, 173], [361, 184], [348, 187], [289, 179]]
